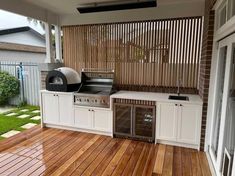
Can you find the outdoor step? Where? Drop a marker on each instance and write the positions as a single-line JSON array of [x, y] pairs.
[[10, 133], [36, 111], [28, 125], [23, 116], [11, 114], [36, 118], [24, 110]]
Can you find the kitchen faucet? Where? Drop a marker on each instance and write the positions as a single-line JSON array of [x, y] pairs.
[[179, 83]]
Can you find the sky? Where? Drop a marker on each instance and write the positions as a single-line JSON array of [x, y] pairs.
[[11, 20]]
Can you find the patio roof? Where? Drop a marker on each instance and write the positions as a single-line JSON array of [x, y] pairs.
[[62, 13], [65, 12]]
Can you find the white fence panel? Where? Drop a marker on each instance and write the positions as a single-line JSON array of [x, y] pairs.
[[29, 77]]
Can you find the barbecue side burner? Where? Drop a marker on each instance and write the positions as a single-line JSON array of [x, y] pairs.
[[96, 88]]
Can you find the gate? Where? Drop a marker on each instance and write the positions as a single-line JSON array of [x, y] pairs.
[[29, 77]]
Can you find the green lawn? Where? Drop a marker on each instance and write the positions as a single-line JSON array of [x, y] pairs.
[[13, 123]]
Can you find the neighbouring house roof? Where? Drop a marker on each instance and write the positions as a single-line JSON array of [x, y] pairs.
[[15, 46], [22, 35], [20, 47], [20, 29]]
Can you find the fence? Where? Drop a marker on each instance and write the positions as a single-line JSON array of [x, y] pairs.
[[29, 77]]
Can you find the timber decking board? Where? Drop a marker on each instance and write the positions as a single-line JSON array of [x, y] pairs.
[[56, 152]]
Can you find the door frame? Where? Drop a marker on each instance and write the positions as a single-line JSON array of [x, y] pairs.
[[228, 41]]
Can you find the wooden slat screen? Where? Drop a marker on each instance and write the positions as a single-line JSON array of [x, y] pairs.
[[146, 55]]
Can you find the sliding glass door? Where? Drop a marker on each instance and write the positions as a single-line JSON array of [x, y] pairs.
[[219, 99], [222, 143], [229, 132]]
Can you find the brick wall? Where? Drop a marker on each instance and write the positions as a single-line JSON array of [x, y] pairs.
[[43, 79], [205, 67]]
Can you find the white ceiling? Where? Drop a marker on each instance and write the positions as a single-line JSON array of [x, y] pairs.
[[65, 7]]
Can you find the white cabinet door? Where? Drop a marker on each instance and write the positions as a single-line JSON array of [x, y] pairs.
[[66, 109], [189, 123], [50, 108], [83, 118], [102, 120], [166, 121]]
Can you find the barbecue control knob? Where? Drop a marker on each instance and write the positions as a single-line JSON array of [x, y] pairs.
[[87, 100]]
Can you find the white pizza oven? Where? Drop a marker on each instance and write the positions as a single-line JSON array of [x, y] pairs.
[[63, 79]]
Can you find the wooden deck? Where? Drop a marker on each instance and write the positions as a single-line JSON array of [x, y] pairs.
[[59, 152]]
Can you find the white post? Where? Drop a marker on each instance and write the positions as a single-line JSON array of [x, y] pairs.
[[49, 48], [58, 43]]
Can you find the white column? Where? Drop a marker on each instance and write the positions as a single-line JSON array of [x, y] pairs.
[[49, 47], [58, 43]]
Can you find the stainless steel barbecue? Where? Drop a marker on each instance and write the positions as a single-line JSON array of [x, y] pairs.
[[96, 88]]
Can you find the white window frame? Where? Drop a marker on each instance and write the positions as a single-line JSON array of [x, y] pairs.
[[217, 161], [227, 29], [218, 12]]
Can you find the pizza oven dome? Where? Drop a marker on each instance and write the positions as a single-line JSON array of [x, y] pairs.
[[63, 79]]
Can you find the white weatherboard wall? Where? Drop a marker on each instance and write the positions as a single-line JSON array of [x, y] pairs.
[[20, 56], [24, 38], [164, 11]]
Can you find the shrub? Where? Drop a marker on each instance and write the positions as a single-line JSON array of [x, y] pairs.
[[22, 104], [9, 87]]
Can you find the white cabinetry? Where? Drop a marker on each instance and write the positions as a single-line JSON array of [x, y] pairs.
[[57, 108], [50, 108], [102, 120], [83, 118], [179, 124], [189, 124], [166, 121], [93, 119], [58, 111]]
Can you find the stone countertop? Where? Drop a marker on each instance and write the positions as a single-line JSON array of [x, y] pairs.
[[158, 97]]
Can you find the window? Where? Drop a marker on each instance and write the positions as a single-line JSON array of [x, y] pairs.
[[233, 8], [223, 15], [225, 12]]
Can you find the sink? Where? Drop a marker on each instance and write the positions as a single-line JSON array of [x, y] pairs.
[[183, 98]]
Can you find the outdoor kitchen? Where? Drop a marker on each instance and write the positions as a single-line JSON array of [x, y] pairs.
[[90, 100], [133, 80], [128, 87]]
